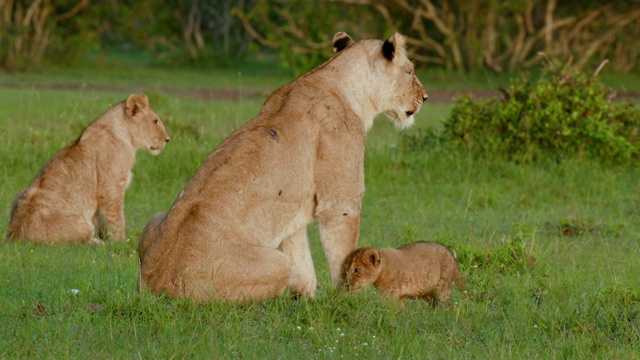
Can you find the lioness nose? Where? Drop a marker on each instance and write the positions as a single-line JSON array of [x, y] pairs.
[[425, 96], [167, 139]]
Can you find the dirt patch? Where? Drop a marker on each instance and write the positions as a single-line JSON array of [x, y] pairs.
[[200, 93], [209, 94]]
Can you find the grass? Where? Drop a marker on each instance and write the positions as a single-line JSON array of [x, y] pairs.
[[549, 251]]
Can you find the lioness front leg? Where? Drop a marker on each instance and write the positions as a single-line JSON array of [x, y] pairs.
[[303, 277], [339, 232]]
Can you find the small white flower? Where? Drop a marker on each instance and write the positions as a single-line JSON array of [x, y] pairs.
[[338, 329], [74, 291], [535, 326], [341, 334], [311, 328], [298, 327], [365, 344]]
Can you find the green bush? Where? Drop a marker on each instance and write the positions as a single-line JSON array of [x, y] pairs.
[[564, 114]]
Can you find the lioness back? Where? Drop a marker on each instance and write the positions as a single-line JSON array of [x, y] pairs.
[[80, 191]]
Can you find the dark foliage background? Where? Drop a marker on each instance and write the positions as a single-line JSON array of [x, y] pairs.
[[455, 35]]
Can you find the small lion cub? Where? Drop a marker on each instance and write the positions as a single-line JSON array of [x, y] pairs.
[[417, 270]]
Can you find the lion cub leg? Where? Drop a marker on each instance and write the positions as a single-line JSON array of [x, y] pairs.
[[111, 212], [431, 299], [63, 228], [443, 295], [303, 277], [114, 224]]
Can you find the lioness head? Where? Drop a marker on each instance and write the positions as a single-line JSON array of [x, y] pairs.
[[400, 92], [408, 92], [361, 268], [149, 131]]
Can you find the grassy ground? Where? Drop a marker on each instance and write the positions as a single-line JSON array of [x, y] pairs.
[[549, 252]]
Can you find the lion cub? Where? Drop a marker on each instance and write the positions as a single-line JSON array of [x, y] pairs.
[[417, 270], [81, 189]]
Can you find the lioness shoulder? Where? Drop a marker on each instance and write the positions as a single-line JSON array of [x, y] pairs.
[[80, 191]]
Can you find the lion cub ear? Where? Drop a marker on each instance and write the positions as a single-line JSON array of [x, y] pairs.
[[340, 41], [135, 103], [394, 46], [372, 256]]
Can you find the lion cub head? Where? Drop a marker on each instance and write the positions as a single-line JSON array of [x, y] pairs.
[[148, 130], [362, 268]]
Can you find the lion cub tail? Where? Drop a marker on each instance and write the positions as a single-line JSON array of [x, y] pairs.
[[459, 281]]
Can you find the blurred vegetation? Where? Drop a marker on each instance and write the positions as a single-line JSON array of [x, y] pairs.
[[302, 30], [454, 35], [33, 32]]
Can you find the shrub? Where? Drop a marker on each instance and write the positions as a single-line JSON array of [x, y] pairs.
[[564, 114]]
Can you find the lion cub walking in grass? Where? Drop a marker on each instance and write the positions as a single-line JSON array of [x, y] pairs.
[[81, 189], [417, 270]]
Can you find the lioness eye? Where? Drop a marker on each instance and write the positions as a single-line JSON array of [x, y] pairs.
[[356, 271], [155, 121]]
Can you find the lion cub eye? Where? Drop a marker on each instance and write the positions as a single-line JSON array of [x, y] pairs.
[[155, 121], [356, 271]]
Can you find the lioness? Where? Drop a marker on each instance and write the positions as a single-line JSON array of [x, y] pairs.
[[81, 189], [238, 230], [417, 270]]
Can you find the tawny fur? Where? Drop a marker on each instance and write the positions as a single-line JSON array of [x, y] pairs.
[[80, 191], [417, 270], [238, 230]]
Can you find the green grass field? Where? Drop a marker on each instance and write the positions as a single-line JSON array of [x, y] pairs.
[[550, 252]]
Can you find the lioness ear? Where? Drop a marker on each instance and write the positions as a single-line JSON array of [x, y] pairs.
[[135, 103], [394, 46], [340, 41]]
